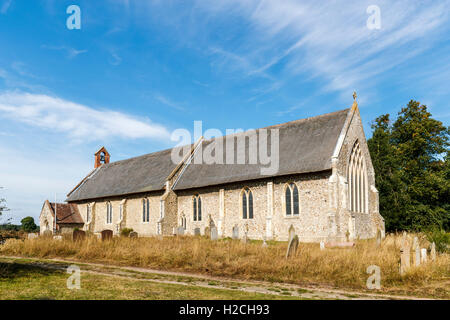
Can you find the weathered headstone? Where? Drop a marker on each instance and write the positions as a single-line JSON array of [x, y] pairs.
[[264, 244], [423, 255], [405, 255], [292, 247], [291, 232], [322, 245], [235, 232], [32, 236], [107, 235], [207, 232], [378, 238], [196, 231], [78, 235], [433, 252], [214, 235], [133, 234], [417, 257], [59, 238], [180, 231], [415, 243], [244, 239], [47, 233]]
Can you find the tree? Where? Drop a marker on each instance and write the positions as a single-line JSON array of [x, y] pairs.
[[28, 224], [411, 163], [3, 207]]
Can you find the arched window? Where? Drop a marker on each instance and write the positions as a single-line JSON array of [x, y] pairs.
[[247, 204], [145, 210], [357, 181], [197, 208], [109, 212], [292, 202]]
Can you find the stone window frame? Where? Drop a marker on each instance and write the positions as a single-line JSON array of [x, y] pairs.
[[109, 212], [247, 191], [197, 215], [146, 210], [357, 180], [283, 201]]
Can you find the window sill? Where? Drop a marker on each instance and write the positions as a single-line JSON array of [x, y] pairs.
[[292, 217]]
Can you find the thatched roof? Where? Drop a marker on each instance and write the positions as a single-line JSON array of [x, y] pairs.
[[305, 145], [141, 174]]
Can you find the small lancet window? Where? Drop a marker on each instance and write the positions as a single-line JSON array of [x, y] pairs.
[[197, 208], [292, 200], [145, 210], [109, 212], [247, 204]]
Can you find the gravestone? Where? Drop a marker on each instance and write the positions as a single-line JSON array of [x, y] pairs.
[[196, 231], [214, 235], [47, 233], [417, 257], [405, 255], [235, 232], [264, 244], [245, 238], [322, 245], [107, 235], [423, 255], [433, 252], [291, 232], [59, 238], [180, 231], [133, 234], [292, 247], [78, 235], [378, 238], [32, 236], [415, 243], [207, 232]]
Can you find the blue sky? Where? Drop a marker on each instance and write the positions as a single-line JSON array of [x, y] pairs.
[[137, 70]]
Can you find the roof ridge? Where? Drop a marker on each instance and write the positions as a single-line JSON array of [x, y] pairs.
[[206, 140]]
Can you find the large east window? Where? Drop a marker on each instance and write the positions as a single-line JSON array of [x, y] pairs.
[[357, 181]]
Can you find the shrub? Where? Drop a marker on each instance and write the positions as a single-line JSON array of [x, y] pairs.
[[440, 238], [126, 232]]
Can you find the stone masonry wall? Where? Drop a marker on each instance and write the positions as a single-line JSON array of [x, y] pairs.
[[310, 225]]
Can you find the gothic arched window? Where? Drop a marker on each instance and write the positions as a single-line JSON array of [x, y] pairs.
[[247, 203], [357, 181], [145, 210], [109, 212], [197, 208], [292, 202]]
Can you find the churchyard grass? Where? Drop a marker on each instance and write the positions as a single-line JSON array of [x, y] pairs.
[[26, 281], [310, 266]]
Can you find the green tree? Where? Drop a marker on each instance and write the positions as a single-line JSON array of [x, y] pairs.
[[3, 207], [411, 162], [28, 224]]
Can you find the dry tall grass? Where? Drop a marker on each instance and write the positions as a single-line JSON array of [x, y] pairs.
[[345, 268]]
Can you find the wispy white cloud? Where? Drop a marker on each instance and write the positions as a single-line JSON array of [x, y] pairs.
[[70, 52], [330, 40], [168, 102], [76, 120]]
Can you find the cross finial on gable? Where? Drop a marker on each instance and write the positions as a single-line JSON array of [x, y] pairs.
[[355, 103]]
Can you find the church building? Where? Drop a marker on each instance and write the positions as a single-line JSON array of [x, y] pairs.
[[324, 187]]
